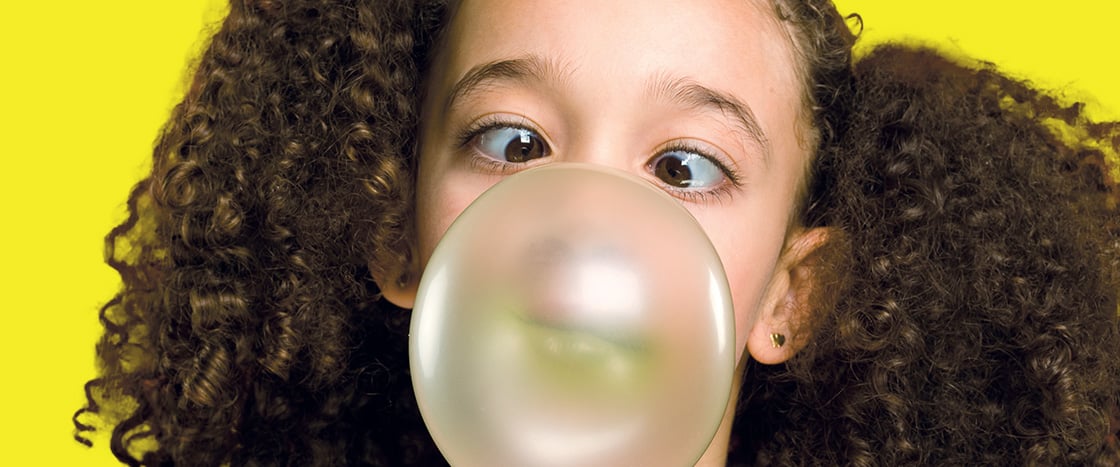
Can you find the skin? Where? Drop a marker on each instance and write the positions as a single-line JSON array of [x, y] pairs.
[[595, 81]]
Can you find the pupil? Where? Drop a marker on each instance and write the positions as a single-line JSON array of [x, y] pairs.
[[523, 148], [673, 171]]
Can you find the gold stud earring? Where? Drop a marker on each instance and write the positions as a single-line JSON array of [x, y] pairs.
[[777, 340]]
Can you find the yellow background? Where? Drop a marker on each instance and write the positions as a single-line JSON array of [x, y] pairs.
[[84, 87]]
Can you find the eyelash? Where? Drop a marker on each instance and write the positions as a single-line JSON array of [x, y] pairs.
[[491, 122], [734, 180], [464, 138]]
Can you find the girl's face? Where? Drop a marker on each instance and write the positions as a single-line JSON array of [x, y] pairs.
[[698, 97]]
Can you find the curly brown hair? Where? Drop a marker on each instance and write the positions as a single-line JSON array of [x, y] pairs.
[[979, 325], [978, 322]]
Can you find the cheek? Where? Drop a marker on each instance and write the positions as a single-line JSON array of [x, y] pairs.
[[748, 275], [437, 206], [442, 195], [749, 243]]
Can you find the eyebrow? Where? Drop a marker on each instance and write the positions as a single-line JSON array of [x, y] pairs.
[[691, 94], [529, 68], [680, 90]]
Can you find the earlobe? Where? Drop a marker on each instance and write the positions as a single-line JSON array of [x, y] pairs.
[[781, 329], [398, 287]]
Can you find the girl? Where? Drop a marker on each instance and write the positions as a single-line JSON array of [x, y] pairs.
[[932, 255]]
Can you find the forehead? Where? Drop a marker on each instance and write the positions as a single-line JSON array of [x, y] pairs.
[[718, 42]]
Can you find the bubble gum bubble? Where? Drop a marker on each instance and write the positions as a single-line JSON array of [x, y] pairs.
[[573, 315]]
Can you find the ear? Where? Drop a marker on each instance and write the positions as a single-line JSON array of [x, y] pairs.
[[788, 302], [398, 286]]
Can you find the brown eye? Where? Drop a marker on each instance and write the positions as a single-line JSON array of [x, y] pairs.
[[510, 144], [685, 169]]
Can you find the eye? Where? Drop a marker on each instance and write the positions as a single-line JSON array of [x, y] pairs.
[[681, 168], [510, 144]]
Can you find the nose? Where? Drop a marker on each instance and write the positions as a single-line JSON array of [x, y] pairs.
[[603, 147]]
